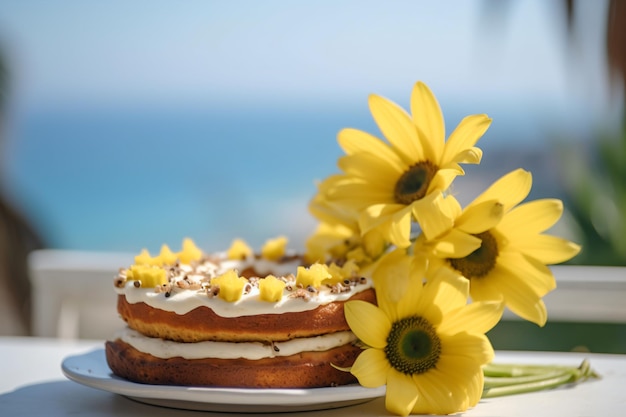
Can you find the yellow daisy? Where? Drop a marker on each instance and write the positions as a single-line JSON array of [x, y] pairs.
[[390, 184], [424, 341], [499, 246], [337, 237]]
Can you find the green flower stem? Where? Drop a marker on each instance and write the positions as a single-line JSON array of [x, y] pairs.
[[527, 387], [500, 381], [503, 380], [514, 371]]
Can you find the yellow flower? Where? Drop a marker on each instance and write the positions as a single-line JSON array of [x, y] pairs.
[[424, 341], [390, 184], [329, 241], [499, 246], [337, 237]]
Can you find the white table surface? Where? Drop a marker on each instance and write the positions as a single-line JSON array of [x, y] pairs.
[[32, 384]]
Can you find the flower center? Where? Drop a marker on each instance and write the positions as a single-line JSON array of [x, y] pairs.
[[480, 262], [413, 184], [413, 346]]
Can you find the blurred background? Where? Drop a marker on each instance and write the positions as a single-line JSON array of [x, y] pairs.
[[132, 124]]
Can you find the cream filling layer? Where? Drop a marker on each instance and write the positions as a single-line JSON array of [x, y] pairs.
[[165, 349], [182, 301]]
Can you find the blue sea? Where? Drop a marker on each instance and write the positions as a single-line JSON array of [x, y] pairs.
[[120, 180]]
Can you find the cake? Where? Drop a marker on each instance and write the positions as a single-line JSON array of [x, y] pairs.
[[235, 319]]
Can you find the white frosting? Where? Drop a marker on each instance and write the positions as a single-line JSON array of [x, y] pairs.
[[182, 301], [227, 350]]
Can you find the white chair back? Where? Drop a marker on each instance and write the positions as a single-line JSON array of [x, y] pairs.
[[72, 293], [586, 294]]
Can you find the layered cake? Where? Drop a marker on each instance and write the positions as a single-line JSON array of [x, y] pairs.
[[235, 319]]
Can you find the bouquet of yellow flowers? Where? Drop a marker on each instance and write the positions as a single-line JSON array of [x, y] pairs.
[[443, 273]]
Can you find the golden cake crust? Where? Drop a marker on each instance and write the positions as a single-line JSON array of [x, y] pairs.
[[203, 324], [302, 370]]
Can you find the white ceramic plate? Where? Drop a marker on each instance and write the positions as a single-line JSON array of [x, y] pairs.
[[91, 369]]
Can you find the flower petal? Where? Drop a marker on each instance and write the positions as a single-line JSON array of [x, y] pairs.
[[477, 317], [463, 366], [534, 311], [391, 280], [428, 118], [325, 211], [431, 212], [480, 217], [445, 290], [518, 295], [368, 323], [418, 268], [443, 178], [393, 221], [371, 368], [442, 394], [475, 388], [547, 249], [354, 141], [452, 289], [355, 194], [474, 349], [456, 244], [472, 155], [464, 376], [371, 168], [464, 137], [399, 230], [377, 214], [373, 243], [533, 217], [510, 189], [401, 393], [482, 289], [535, 274], [398, 128]]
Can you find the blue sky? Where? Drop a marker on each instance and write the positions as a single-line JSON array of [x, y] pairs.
[[283, 56], [162, 51]]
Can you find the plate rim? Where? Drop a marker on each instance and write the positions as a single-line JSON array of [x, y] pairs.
[[77, 368]]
